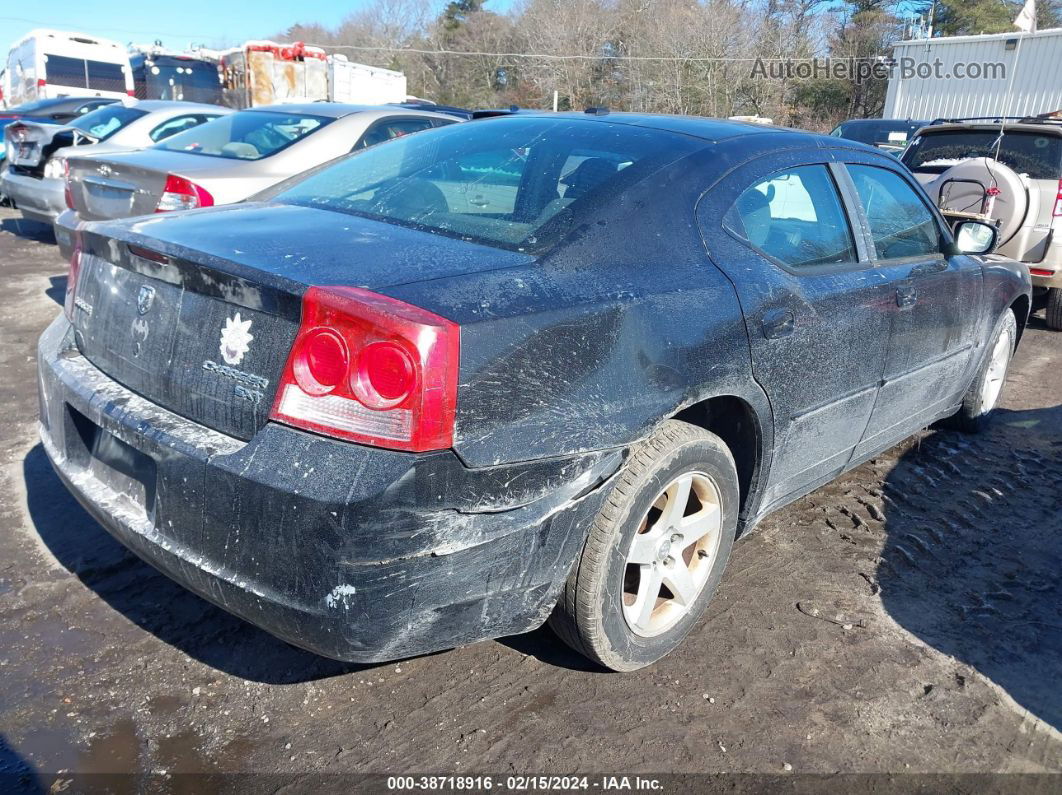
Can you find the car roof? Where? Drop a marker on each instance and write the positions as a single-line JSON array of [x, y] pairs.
[[151, 105], [1042, 127], [335, 110], [867, 122], [707, 129]]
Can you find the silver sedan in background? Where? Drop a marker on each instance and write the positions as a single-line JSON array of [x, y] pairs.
[[36, 151], [228, 159]]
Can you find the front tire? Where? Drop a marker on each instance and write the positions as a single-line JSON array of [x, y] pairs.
[[656, 551], [983, 396], [1054, 309]]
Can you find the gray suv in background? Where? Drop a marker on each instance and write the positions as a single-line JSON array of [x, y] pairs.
[[1008, 171]]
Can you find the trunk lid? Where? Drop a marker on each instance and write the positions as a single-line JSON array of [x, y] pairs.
[[30, 144], [197, 311]]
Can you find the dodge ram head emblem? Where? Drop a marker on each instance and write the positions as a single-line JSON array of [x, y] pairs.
[[235, 339], [144, 299]]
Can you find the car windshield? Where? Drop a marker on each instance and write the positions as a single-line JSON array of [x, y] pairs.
[[1038, 156], [247, 135], [511, 183], [104, 122], [884, 131]]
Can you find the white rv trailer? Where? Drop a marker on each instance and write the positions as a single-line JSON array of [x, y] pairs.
[[1029, 64], [45, 64], [363, 85]]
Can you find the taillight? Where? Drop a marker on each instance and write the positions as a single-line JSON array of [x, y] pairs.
[[1058, 201], [371, 369], [41, 82], [182, 194], [71, 278], [68, 190], [1041, 272]]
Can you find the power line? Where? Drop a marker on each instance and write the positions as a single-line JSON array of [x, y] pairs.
[[521, 55]]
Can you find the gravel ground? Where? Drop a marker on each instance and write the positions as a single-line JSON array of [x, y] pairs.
[[905, 618]]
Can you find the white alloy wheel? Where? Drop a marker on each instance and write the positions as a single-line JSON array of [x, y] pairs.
[[672, 554]]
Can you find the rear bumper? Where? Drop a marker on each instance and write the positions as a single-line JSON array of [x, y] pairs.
[[38, 199], [1048, 281], [352, 552]]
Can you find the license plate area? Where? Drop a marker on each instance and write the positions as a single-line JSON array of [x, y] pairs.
[[118, 466]]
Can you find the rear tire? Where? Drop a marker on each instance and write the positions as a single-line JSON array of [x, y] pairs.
[[983, 395], [655, 552], [1053, 313]]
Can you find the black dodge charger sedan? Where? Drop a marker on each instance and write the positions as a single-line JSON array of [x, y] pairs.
[[529, 368]]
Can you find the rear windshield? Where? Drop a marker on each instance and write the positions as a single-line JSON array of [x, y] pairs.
[[63, 70], [1038, 156], [884, 131], [512, 183], [104, 122], [247, 135]]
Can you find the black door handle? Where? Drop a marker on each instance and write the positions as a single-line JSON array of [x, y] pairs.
[[906, 296], [778, 323]]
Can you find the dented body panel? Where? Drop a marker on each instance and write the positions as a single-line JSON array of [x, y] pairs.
[[646, 308]]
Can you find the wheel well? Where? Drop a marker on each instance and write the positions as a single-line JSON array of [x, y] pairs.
[[1021, 307], [732, 420]]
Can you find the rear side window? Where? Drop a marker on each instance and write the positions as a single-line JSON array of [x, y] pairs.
[[1039, 156], [248, 135], [795, 217], [900, 223], [64, 71], [105, 76]]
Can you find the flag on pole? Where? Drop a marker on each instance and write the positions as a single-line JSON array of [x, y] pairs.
[[1026, 20]]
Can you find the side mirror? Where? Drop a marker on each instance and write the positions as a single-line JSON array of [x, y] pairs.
[[975, 237]]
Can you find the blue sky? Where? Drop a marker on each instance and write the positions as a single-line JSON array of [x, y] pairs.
[[215, 23]]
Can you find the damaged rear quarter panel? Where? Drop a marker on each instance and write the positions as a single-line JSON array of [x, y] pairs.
[[587, 348]]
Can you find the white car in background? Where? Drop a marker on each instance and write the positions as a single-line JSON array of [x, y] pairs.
[[37, 151], [228, 160]]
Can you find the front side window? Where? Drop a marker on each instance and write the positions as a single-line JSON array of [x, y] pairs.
[[900, 222], [177, 125], [386, 130], [247, 135], [796, 217], [104, 122], [519, 183]]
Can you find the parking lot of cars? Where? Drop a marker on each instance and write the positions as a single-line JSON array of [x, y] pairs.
[[429, 381], [898, 619]]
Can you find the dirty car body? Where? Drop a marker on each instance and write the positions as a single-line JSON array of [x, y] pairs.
[[581, 280]]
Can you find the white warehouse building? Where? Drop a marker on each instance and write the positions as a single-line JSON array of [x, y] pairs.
[[1031, 66]]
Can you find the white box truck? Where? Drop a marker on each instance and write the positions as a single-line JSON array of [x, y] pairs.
[[45, 64], [967, 76], [360, 84]]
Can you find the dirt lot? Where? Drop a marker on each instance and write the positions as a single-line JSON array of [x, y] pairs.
[[906, 618]]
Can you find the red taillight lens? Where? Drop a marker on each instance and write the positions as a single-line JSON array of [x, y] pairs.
[[68, 190], [1041, 272], [1058, 201], [182, 194], [371, 369], [41, 82], [71, 278]]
